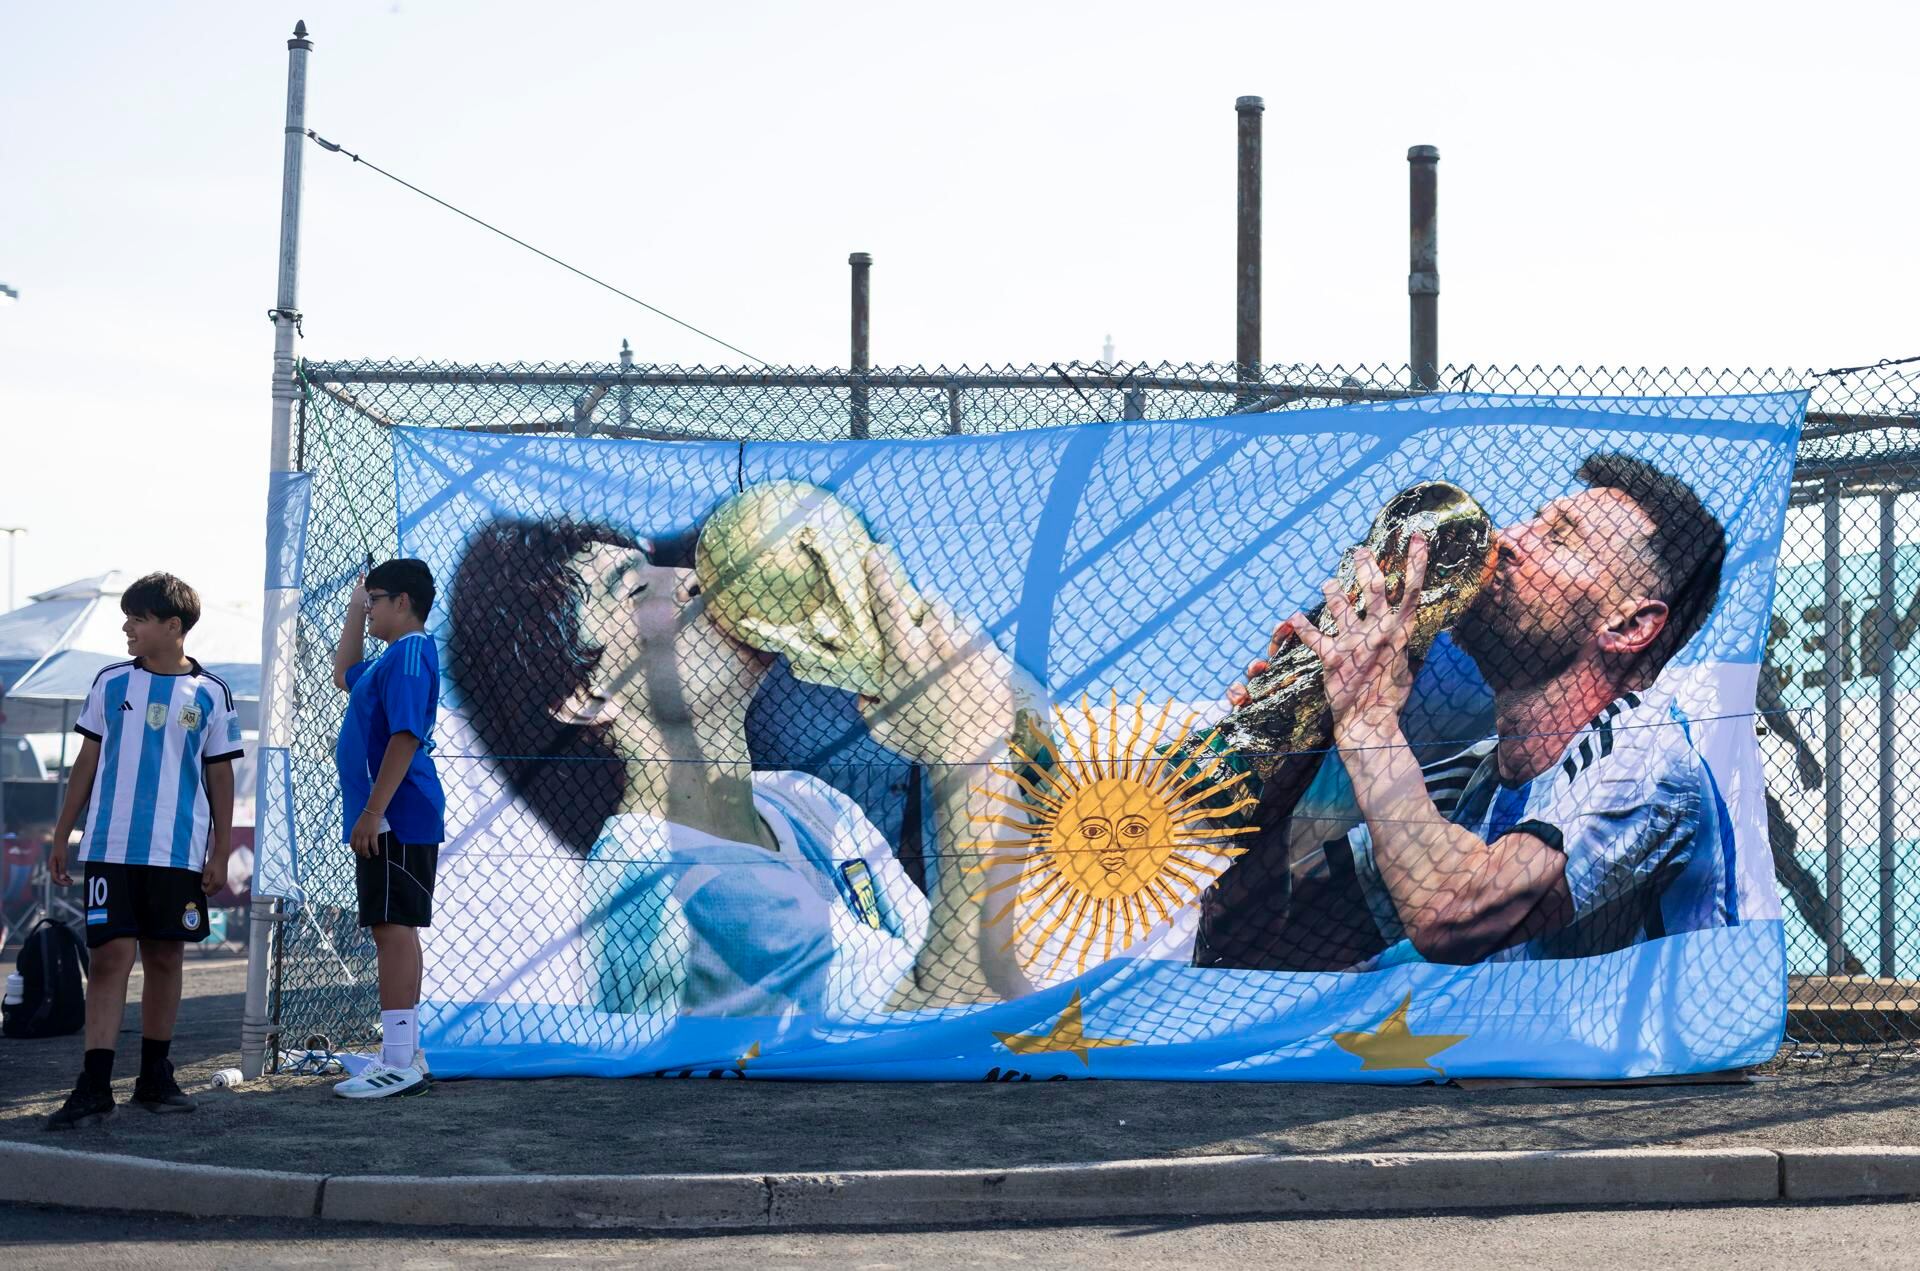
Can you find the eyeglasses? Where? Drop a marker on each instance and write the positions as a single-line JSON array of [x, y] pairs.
[[378, 595]]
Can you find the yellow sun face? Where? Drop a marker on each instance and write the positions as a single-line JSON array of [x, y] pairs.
[[1111, 841], [1112, 836]]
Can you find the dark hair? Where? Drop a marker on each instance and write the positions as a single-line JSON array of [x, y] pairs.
[[407, 577], [516, 653], [1688, 544], [161, 596]]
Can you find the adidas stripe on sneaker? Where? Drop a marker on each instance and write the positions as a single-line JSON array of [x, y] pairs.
[[377, 1081]]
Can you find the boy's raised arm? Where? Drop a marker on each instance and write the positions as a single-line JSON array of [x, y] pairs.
[[351, 649]]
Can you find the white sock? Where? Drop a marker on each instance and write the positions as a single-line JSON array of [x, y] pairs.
[[397, 1038]]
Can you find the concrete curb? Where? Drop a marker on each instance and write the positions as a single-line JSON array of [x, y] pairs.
[[1216, 1186], [1256, 1185], [1848, 1173], [94, 1180]]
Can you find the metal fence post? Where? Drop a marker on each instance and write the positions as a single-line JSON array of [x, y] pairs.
[[1423, 266], [1884, 652], [626, 390], [276, 658], [1834, 647], [1246, 309], [860, 421]]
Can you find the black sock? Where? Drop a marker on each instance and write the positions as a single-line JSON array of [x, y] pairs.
[[153, 1056], [96, 1069]]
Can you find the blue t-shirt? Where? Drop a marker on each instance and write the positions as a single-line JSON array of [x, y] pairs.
[[398, 693]]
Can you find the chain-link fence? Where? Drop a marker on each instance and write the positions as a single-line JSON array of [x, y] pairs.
[[1836, 698]]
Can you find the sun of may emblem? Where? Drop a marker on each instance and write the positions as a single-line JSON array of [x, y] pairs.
[[1109, 839]]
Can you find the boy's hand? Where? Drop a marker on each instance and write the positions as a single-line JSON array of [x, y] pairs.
[[57, 866], [366, 835], [361, 602], [213, 875]]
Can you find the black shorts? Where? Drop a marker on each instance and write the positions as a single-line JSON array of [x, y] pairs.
[[151, 902], [397, 885]]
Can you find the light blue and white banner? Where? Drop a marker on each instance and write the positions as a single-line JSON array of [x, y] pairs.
[[898, 759]]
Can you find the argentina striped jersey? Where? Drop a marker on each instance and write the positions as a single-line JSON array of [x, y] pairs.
[[157, 734], [1631, 807]]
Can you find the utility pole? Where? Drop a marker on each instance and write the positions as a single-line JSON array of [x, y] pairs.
[[11, 531], [282, 605]]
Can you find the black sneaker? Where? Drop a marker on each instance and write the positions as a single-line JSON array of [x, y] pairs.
[[161, 1093], [87, 1105]]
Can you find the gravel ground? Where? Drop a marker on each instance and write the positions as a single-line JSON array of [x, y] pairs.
[[650, 1125]]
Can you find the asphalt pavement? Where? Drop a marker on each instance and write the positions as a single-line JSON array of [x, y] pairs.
[[1732, 1238]]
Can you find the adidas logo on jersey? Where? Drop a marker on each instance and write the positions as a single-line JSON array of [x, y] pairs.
[[126, 706]]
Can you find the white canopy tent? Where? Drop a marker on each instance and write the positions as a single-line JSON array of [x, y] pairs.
[[53, 646]]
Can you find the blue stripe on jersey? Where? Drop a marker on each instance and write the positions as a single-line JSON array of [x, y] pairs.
[[1509, 809], [186, 802], [146, 786], [115, 692]]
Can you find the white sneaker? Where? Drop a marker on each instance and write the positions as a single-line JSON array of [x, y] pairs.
[[420, 1062], [377, 1081]]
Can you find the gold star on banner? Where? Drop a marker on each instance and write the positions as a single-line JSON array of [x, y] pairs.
[[753, 1052], [1066, 1037], [1392, 1044]]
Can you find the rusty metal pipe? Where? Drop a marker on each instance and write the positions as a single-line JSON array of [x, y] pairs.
[[1423, 267], [860, 420], [1246, 309]]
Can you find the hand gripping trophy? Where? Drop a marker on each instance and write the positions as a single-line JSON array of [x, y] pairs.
[[784, 568], [1283, 730], [1287, 717]]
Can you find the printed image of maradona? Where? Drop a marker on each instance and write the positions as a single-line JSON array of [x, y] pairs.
[[614, 699], [1587, 823]]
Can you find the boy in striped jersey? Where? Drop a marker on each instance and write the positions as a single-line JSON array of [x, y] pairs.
[[393, 807], [155, 777]]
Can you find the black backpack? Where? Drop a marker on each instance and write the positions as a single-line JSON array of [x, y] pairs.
[[53, 962]]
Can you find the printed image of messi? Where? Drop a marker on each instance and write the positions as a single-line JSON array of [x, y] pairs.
[[616, 710], [1586, 824]]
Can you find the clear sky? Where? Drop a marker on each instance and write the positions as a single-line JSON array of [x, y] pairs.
[[1662, 184]]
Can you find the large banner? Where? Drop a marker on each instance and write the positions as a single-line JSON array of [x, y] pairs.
[[1387, 742]]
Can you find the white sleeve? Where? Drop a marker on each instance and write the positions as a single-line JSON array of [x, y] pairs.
[[223, 729], [1628, 820], [93, 712]]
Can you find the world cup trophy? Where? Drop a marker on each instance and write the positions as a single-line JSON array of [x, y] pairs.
[[1287, 714], [783, 567], [1268, 911]]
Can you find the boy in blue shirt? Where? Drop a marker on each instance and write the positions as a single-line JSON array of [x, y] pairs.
[[155, 781], [391, 801]]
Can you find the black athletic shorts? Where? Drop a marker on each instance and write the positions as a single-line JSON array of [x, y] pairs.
[[152, 902], [397, 885]]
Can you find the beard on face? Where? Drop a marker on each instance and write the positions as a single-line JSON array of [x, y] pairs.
[[1510, 644]]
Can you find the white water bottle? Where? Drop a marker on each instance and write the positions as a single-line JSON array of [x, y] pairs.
[[16, 989]]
